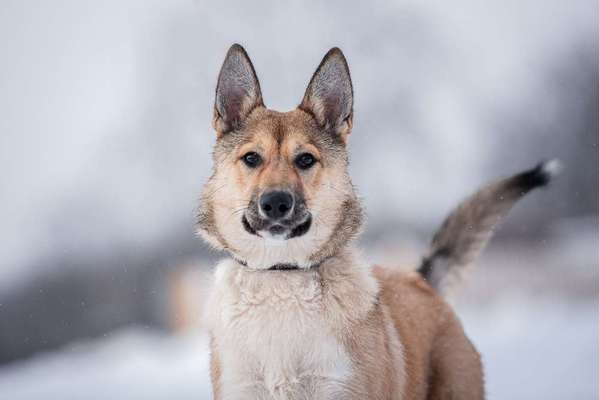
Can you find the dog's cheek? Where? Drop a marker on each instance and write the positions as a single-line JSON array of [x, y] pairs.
[[228, 193], [311, 188], [327, 204], [245, 183]]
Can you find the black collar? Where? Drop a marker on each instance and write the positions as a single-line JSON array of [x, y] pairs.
[[284, 266], [290, 267]]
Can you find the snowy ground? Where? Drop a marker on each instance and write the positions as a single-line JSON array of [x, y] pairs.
[[531, 349], [537, 350], [131, 364]]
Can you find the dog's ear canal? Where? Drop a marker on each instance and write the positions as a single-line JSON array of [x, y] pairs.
[[237, 91], [329, 96]]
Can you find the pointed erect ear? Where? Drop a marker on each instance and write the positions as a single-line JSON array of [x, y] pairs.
[[237, 92], [329, 96]]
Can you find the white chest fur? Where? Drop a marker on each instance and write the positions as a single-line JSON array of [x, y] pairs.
[[277, 334]]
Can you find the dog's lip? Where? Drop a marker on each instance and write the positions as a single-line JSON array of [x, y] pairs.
[[278, 229], [301, 229], [248, 227]]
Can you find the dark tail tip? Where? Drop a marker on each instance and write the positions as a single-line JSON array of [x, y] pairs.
[[539, 176]]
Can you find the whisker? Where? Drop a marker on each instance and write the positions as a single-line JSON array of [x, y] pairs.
[[211, 193], [336, 189]]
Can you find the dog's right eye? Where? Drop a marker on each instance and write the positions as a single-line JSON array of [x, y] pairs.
[[252, 159]]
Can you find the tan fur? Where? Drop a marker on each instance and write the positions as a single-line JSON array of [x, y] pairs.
[[330, 327], [440, 360], [215, 370]]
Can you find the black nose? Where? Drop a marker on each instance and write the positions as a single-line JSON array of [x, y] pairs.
[[276, 205]]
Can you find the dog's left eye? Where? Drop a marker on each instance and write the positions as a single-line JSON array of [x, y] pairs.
[[252, 159], [305, 161]]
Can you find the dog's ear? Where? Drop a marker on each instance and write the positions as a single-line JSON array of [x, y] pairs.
[[329, 96], [237, 91]]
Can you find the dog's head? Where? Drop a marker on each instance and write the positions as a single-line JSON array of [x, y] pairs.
[[280, 191]]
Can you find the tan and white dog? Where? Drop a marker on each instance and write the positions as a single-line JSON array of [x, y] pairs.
[[296, 313]]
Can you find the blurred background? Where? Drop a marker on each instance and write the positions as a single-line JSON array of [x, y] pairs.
[[105, 142]]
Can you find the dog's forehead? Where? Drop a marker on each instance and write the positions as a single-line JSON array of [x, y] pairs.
[[273, 128]]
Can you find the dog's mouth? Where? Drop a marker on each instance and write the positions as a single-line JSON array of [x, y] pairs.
[[277, 230]]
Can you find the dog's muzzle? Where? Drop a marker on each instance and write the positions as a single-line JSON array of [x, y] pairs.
[[277, 214]]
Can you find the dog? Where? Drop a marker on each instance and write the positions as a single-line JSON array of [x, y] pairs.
[[295, 312]]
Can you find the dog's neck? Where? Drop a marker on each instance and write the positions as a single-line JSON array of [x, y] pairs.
[[343, 284]]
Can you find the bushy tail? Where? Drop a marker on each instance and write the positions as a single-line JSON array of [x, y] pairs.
[[468, 228]]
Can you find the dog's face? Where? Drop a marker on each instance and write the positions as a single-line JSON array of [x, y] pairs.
[[280, 192]]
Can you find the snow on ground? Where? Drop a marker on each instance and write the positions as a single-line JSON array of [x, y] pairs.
[[531, 349], [131, 364], [537, 350]]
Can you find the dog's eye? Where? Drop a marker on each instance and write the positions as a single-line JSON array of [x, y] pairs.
[[252, 159], [305, 161]]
